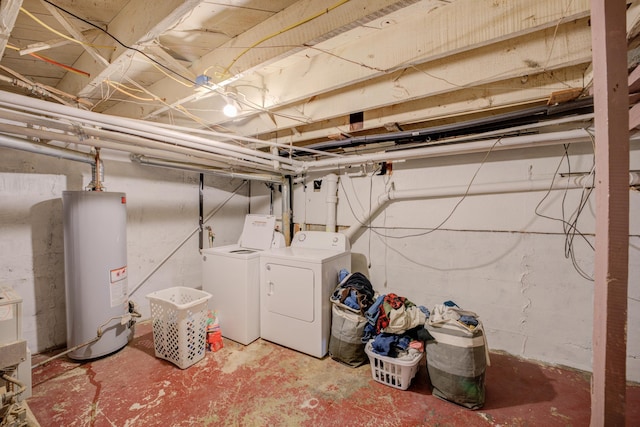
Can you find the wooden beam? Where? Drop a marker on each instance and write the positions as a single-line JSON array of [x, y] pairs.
[[76, 33], [634, 117], [634, 80], [381, 47], [611, 106], [9, 12], [50, 44], [138, 23]]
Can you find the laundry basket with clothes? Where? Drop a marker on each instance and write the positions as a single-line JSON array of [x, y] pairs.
[[457, 356], [351, 299], [396, 335]]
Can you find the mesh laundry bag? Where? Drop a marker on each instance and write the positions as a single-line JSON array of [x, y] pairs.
[[345, 342], [456, 359]]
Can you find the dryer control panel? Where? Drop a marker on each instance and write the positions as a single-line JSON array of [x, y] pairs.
[[321, 240]]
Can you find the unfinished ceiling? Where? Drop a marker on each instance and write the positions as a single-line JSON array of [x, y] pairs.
[[321, 74]]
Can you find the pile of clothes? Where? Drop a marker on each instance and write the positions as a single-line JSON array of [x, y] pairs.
[[350, 301], [354, 290], [396, 327], [393, 324]]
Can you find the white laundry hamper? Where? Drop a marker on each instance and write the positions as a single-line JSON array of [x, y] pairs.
[[179, 317]]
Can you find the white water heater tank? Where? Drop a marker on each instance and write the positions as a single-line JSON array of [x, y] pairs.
[[95, 261]]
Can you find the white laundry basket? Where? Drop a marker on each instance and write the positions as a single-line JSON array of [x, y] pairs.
[[179, 318], [396, 373]]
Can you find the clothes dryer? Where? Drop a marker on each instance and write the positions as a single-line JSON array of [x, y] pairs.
[[231, 274], [296, 284]]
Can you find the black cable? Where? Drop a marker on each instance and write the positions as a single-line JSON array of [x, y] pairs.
[[569, 228], [120, 43]]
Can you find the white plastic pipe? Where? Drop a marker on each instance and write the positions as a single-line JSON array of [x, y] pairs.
[[494, 144], [195, 167], [393, 195], [32, 147], [141, 128], [332, 201], [124, 142]]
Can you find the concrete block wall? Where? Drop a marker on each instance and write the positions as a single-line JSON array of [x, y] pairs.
[[162, 210], [494, 255]]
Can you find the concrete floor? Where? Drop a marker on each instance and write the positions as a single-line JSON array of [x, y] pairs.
[[264, 384]]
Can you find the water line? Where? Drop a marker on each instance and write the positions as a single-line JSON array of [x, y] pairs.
[[165, 259]]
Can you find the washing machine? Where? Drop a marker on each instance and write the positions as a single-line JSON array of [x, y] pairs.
[[231, 274], [295, 286]]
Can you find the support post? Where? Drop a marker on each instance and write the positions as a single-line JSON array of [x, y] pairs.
[[611, 105]]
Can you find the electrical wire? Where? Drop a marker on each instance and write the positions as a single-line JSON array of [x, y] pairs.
[[52, 62], [119, 42], [570, 228], [277, 33], [169, 75], [117, 87], [444, 221], [64, 36]]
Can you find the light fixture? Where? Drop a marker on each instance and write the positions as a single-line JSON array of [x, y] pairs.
[[230, 110], [232, 107]]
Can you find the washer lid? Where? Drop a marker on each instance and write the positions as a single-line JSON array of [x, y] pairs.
[[257, 232]]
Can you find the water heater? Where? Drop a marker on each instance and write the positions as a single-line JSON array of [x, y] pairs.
[[95, 261]]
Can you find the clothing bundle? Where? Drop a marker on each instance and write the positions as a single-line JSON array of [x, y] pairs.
[[354, 291], [393, 314], [449, 311], [394, 323], [351, 298]]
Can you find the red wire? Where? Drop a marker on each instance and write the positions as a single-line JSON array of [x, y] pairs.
[[66, 67]]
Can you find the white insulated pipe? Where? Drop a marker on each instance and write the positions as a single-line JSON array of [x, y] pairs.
[[33, 147], [195, 167], [393, 195], [332, 202], [143, 129], [439, 150], [129, 143]]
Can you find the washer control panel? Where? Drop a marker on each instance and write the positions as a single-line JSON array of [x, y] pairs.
[[321, 240]]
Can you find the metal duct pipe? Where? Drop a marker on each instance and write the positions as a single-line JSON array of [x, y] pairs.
[[393, 195], [48, 150], [193, 167]]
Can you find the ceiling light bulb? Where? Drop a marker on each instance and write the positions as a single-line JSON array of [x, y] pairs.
[[230, 110]]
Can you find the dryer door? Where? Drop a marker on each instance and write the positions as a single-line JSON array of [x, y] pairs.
[[290, 291]]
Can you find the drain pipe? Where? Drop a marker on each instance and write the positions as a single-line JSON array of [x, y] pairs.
[[287, 213], [332, 201], [179, 245], [393, 195]]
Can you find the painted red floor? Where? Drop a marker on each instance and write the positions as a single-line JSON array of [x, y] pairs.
[[264, 384]]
